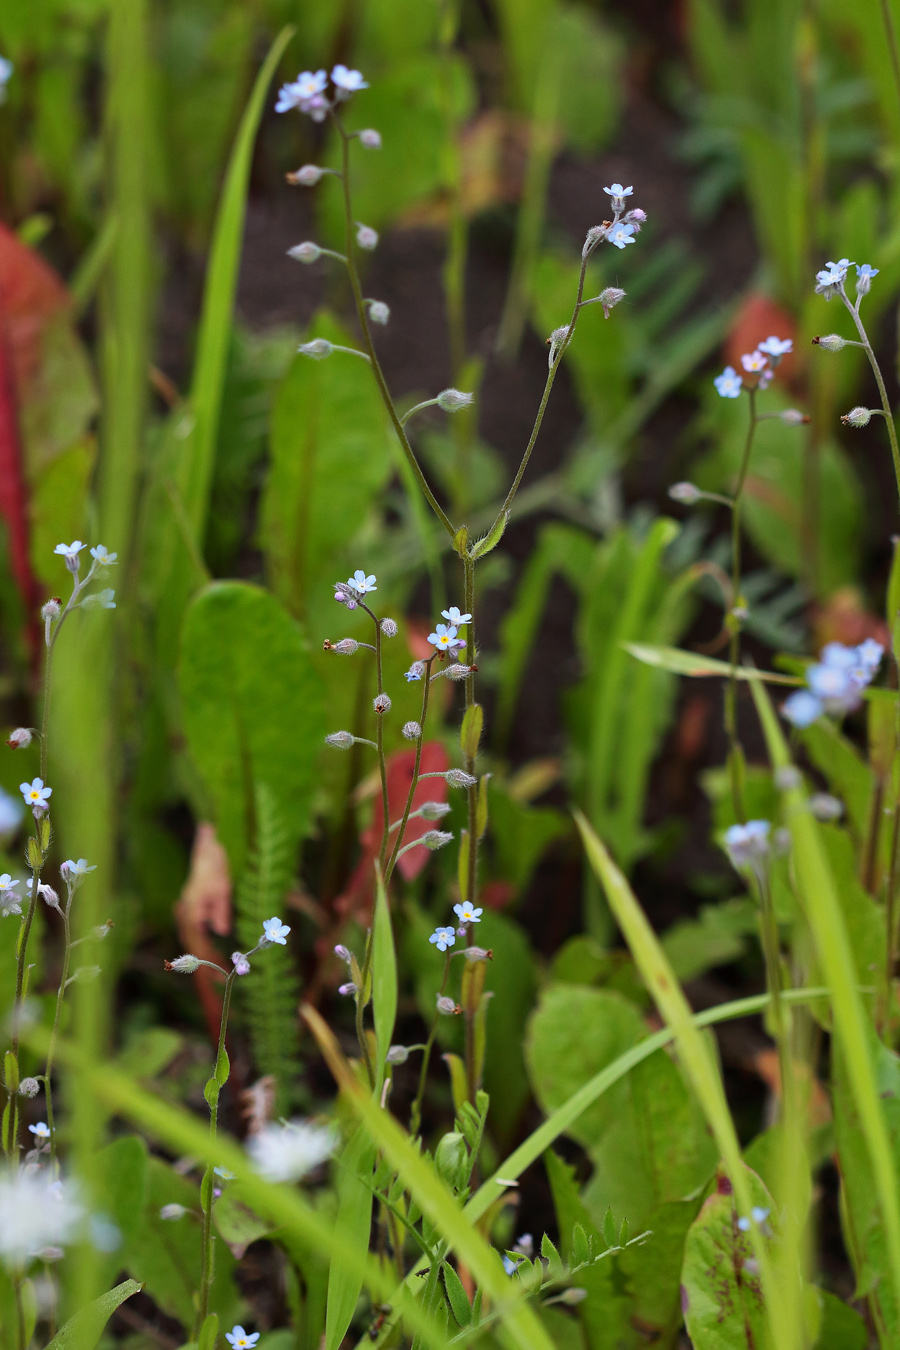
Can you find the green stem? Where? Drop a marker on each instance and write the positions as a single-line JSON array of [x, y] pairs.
[[363, 318], [415, 1114], [471, 792], [882, 392], [415, 777], [379, 743], [54, 1034], [360, 1009], [206, 1191], [734, 621]]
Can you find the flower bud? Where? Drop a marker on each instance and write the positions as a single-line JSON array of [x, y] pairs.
[[346, 647], [831, 342], [382, 703], [389, 628], [459, 778], [478, 954], [185, 965], [307, 252], [343, 952], [341, 594], [29, 1087], [458, 672], [635, 217], [411, 731], [593, 238], [340, 740], [379, 312], [52, 609], [451, 400], [434, 810], [366, 237], [240, 963], [103, 930], [86, 974], [173, 1211], [435, 839], [788, 777], [688, 493], [793, 417], [21, 737], [398, 1054], [825, 807], [451, 1159], [347, 989], [370, 138], [446, 1005], [573, 1296], [609, 298], [307, 176], [319, 349], [49, 896], [857, 417]]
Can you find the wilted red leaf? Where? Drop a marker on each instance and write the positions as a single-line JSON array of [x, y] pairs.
[[759, 318], [203, 907]]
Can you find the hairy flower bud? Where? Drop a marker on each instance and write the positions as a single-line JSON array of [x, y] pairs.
[[793, 417], [398, 1054], [347, 989], [609, 298], [389, 628], [307, 176], [346, 646], [382, 703], [459, 778], [240, 963], [434, 810], [831, 342], [635, 217], [29, 1087], [370, 138], [52, 609], [319, 349], [49, 896], [340, 740], [573, 1296], [173, 1211], [458, 672], [857, 417], [21, 737], [307, 252], [593, 238], [185, 965], [446, 1005], [366, 237], [411, 731], [451, 400], [379, 312], [825, 807], [435, 839], [688, 493]]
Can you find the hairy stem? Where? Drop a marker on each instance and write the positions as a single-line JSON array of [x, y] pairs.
[[734, 620], [879, 380], [206, 1190], [415, 1114], [415, 778]]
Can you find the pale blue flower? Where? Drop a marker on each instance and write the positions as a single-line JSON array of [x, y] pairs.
[[754, 361], [36, 794], [617, 191], [239, 1339], [748, 844], [509, 1265], [802, 708], [774, 346], [6, 70], [7, 884], [70, 552], [835, 686], [41, 1130], [621, 234], [869, 654], [743, 1224], [275, 931], [10, 813], [864, 275], [347, 81], [361, 583], [466, 913], [452, 615], [415, 672], [759, 1215], [101, 556], [224, 1173], [831, 278], [729, 383], [306, 93], [445, 638], [443, 938]]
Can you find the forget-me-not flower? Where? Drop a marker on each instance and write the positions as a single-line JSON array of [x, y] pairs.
[[445, 638], [802, 708], [41, 1130], [775, 348], [443, 938], [347, 81], [864, 275], [102, 557], [748, 844], [70, 552], [361, 583], [453, 616], [729, 383], [618, 193], [415, 672], [275, 931], [466, 912], [6, 70], [305, 93], [754, 361], [621, 234], [36, 794], [239, 1339]]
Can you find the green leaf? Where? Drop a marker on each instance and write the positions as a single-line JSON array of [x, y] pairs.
[[384, 975], [236, 1223], [470, 731], [722, 1297], [688, 663], [223, 1068], [610, 1234], [492, 538], [549, 1253], [83, 1331], [459, 1299], [209, 1333], [841, 1328], [252, 709], [354, 1219]]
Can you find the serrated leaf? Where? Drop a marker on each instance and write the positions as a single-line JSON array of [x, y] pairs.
[[83, 1331], [689, 663], [549, 1252], [459, 1299]]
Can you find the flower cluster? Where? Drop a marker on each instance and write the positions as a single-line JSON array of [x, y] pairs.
[[830, 280], [466, 913], [350, 592], [835, 682], [308, 92], [760, 363]]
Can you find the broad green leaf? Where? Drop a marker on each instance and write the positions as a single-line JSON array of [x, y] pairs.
[[459, 1299], [716, 937], [58, 506], [384, 975], [354, 1219], [722, 1298], [251, 707], [209, 1332], [688, 663], [331, 454], [653, 1268], [83, 1331], [236, 1223], [841, 1327]]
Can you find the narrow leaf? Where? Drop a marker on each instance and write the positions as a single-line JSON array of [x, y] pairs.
[[83, 1331], [689, 663], [384, 975], [492, 538], [459, 1299], [470, 732]]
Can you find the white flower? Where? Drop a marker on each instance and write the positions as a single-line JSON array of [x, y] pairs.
[[77, 870], [41, 1130], [370, 138], [366, 237], [239, 1339], [34, 1214], [36, 794], [275, 931], [753, 361], [361, 583], [347, 81], [105, 599], [621, 234], [70, 552], [453, 616], [288, 1152], [102, 558]]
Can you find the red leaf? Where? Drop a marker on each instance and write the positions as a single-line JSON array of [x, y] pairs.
[[759, 318]]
